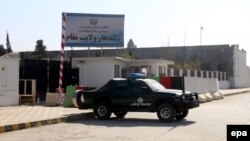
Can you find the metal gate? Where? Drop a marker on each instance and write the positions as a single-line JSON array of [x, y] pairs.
[[46, 73]]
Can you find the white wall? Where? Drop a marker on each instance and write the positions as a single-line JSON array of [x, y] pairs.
[[9, 81], [96, 73], [241, 76], [224, 84], [201, 85]]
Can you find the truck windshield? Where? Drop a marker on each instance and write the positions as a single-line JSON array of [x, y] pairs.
[[154, 85]]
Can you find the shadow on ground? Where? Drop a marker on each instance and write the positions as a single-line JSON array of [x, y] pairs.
[[130, 122]]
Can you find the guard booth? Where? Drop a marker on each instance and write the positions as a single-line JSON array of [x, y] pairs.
[[9, 77]]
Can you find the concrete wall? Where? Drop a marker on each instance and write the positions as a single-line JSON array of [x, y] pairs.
[[241, 75], [9, 80], [95, 73], [204, 85], [224, 84], [201, 85]]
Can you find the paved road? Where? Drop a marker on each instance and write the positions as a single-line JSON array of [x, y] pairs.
[[206, 123]]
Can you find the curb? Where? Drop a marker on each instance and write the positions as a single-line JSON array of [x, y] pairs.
[[208, 97], [20, 126], [235, 93]]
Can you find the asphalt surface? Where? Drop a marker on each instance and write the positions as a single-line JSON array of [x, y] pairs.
[[207, 123]]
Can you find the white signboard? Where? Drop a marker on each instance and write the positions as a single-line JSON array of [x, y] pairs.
[[94, 30]]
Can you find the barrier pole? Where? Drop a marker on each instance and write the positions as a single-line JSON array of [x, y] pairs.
[[62, 53]]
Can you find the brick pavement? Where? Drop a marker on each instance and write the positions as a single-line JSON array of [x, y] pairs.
[[20, 117]]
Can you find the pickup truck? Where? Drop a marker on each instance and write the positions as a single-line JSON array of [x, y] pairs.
[[120, 96]]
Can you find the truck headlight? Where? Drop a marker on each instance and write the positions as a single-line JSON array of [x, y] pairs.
[[183, 97]]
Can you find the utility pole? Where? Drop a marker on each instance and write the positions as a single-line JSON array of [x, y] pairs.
[[183, 63], [201, 28]]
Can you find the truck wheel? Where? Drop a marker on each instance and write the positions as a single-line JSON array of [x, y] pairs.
[[182, 114], [166, 112], [102, 110], [80, 100], [120, 114]]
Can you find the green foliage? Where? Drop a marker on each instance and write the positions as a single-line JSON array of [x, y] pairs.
[[131, 44], [40, 50], [152, 76], [192, 65], [126, 55]]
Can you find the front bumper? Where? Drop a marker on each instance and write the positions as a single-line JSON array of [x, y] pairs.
[[190, 101], [190, 104]]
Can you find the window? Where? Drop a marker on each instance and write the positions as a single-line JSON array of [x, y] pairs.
[[121, 85], [192, 73], [162, 70], [106, 87], [141, 69], [138, 86], [146, 70], [117, 71], [3, 76], [135, 69]]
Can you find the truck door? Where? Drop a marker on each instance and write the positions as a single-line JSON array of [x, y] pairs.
[[120, 94], [141, 95]]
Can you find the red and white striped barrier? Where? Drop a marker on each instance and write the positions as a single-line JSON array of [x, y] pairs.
[[62, 53]]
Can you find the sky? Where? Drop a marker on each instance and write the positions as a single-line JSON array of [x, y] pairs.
[[150, 23]]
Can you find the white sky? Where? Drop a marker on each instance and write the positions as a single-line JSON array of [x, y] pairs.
[[150, 23]]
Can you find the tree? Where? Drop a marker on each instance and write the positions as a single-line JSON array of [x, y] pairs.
[[131, 44], [2, 50], [9, 50], [127, 55], [194, 65], [40, 50]]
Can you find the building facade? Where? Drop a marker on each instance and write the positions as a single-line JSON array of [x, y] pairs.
[[96, 71], [221, 58]]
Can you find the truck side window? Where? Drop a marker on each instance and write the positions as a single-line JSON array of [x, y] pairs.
[[121, 86], [106, 87], [138, 87]]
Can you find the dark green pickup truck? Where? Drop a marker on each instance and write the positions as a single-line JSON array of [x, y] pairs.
[[120, 96]]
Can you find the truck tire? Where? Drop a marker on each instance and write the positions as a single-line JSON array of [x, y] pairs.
[[182, 114], [102, 110], [166, 112], [120, 114], [79, 99]]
